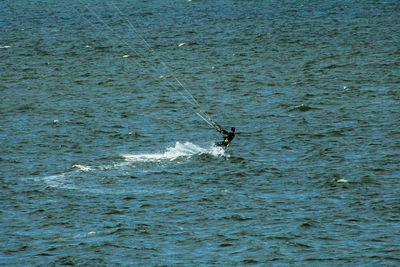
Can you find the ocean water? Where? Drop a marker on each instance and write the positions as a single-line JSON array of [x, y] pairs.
[[104, 160]]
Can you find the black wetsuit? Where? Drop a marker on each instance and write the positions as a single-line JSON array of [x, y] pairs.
[[228, 137]]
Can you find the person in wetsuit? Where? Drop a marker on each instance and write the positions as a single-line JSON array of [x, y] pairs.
[[228, 137]]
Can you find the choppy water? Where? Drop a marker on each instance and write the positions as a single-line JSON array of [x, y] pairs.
[[103, 163]]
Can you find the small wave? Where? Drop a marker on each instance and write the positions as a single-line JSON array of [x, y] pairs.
[[172, 153], [85, 235], [301, 108], [57, 180], [82, 168]]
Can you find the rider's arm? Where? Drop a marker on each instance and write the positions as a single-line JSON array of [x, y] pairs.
[[222, 131]]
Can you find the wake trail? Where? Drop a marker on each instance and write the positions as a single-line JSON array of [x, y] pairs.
[[85, 178], [185, 150]]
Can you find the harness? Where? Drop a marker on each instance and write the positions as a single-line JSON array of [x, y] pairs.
[[227, 143]]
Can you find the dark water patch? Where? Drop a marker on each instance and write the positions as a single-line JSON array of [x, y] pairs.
[[225, 245], [129, 198], [302, 108], [250, 261], [300, 245], [44, 254], [68, 261], [238, 217], [206, 199], [114, 212], [26, 108], [310, 223], [38, 211]]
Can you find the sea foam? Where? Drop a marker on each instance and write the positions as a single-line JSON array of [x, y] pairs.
[[172, 153]]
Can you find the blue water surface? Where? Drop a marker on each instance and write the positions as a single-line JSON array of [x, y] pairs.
[[106, 147]]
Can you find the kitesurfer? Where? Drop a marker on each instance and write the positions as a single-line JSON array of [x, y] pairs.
[[228, 136]]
